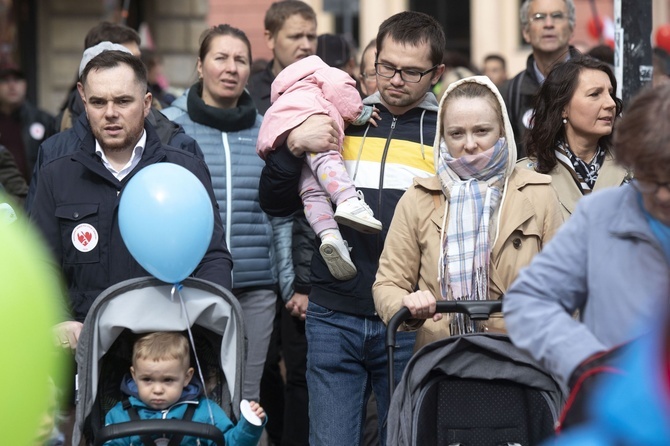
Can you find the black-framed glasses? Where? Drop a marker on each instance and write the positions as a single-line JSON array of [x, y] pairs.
[[411, 76], [540, 17], [648, 187]]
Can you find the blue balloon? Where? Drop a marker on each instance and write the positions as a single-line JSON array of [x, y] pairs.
[[166, 220]]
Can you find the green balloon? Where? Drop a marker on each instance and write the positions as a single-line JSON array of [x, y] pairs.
[[29, 293]]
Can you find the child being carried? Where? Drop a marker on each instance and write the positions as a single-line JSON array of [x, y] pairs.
[[305, 88]]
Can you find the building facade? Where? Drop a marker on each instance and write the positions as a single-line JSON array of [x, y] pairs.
[[46, 36]]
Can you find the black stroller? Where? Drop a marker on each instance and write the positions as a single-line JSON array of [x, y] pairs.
[[470, 390], [144, 305]]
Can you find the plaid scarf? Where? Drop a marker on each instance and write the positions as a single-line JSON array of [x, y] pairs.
[[474, 184], [587, 173]]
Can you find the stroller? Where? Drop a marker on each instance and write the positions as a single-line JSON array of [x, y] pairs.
[[143, 305], [471, 390]]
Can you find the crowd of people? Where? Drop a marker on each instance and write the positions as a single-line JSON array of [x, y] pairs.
[[344, 191]]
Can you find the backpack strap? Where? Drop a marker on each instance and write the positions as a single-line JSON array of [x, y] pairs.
[[134, 416], [188, 416]]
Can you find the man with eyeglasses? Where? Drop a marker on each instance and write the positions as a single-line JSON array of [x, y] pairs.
[[346, 359], [547, 26]]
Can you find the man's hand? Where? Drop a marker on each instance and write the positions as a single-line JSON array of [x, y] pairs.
[[66, 334], [297, 305], [422, 305], [316, 134]]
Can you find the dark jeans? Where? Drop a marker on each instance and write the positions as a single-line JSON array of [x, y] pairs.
[[290, 398]]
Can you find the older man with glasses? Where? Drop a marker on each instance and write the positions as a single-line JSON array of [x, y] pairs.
[[547, 26]]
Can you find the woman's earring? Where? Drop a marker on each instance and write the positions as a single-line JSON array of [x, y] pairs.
[[565, 120]]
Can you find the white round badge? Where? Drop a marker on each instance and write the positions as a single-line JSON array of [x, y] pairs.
[[37, 130], [527, 118], [84, 237]]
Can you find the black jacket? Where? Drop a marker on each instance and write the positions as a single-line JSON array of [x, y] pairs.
[[169, 133], [259, 86], [10, 177], [406, 142], [74, 188], [35, 128]]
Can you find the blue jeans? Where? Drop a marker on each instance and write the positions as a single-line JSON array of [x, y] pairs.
[[346, 360]]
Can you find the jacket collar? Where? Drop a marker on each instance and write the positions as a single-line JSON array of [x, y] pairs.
[[631, 223], [153, 152], [523, 208], [530, 68], [519, 202], [610, 174]]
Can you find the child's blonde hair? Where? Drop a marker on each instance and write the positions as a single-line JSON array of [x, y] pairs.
[[162, 345]]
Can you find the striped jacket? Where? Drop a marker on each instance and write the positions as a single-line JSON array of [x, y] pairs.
[[382, 161]]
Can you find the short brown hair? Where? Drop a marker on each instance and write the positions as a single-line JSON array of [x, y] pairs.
[[279, 12], [414, 28], [640, 143], [111, 32], [114, 58], [161, 345]]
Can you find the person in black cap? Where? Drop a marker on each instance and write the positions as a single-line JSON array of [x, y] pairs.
[[23, 126], [335, 51]]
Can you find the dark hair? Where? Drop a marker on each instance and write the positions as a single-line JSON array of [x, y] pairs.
[[554, 95], [414, 28], [640, 143], [221, 30], [112, 59], [278, 12], [602, 52], [498, 58], [112, 32], [150, 58]]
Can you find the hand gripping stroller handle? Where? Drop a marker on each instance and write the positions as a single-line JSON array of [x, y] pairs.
[[152, 427], [476, 309]]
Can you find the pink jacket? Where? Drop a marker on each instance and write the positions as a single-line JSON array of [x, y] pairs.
[[305, 88]]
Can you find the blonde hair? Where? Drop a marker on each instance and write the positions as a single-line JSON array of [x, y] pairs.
[[471, 90], [162, 345]]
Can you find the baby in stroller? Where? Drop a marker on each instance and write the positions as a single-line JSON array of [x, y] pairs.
[[161, 385]]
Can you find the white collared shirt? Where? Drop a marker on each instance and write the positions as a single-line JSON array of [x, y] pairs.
[[130, 165]]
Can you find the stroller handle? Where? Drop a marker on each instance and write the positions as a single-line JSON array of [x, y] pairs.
[[476, 309], [152, 427]]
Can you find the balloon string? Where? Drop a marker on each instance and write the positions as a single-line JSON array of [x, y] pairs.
[[176, 288]]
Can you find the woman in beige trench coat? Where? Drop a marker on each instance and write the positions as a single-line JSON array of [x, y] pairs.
[[464, 233]]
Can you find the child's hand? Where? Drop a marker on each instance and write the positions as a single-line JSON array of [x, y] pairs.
[[375, 116], [258, 410]]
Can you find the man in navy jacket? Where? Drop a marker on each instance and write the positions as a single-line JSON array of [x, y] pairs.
[[82, 188]]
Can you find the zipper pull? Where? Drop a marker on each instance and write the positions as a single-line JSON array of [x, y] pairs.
[[393, 122]]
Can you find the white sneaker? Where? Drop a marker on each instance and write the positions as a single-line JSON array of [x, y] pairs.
[[356, 214], [335, 252]]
